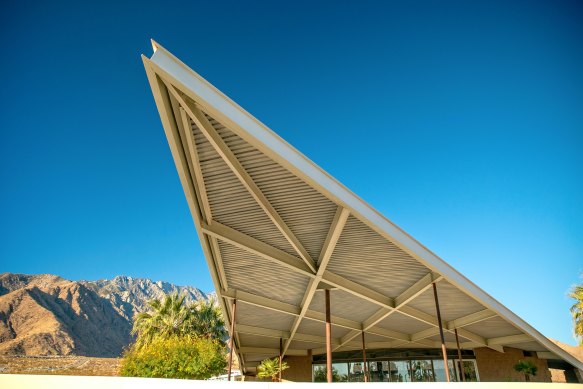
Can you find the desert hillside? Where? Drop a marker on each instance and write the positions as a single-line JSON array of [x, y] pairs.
[[45, 314]]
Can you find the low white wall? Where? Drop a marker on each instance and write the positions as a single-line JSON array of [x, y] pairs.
[[9, 381]]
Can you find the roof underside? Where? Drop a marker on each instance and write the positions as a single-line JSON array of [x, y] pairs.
[[275, 235]]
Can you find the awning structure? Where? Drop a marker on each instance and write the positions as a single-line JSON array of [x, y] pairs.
[[277, 230]]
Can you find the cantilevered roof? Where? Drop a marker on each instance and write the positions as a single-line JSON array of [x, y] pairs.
[[276, 230]]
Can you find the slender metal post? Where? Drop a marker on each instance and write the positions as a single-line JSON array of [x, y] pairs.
[[443, 349], [459, 356], [280, 356], [232, 337], [365, 370], [328, 338]]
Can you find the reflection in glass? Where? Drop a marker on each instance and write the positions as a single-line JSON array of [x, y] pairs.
[[421, 371], [470, 371], [440, 372], [356, 372], [339, 372], [399, 371]]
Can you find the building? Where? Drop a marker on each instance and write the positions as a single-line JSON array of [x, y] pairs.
[[305, 269]]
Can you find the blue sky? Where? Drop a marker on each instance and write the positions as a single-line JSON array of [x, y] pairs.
[[460, 121]]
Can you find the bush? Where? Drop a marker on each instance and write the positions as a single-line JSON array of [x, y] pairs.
[[179, 356]]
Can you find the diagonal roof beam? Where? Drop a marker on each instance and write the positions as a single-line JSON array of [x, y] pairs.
[[289, 309], [334, 232], [273, 254], [205, 209], [277, 334], [257, 247], [201, 121], [409, 294], [472, 318], [520, 338]]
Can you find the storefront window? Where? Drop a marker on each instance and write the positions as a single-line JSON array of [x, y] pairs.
[[440, 372], [404, 370], [471, 371], [339, 372], [400, 371], [356, 372], [422, 371]]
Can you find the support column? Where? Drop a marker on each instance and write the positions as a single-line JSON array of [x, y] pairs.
[[232, 338], [459, 355], [280, 356], [365, 369], [328, 338], [443, 349]]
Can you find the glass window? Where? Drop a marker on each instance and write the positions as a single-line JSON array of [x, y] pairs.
[[471, 371], [356, 372], [319, 373], [400, 371], [440, 372], [339, 372], [375, 371], [422, 371]]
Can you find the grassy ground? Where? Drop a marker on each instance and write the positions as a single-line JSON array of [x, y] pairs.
[[60, 365]]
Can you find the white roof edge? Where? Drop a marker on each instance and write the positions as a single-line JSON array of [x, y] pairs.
[[252, 130]]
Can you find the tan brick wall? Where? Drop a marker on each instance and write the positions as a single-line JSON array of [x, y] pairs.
[[499, 367], [300, 369], [558, 375]]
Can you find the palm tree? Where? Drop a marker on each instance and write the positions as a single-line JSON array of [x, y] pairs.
[[205, 319], [527, 368], [577, 312], [269, 368], [166, 318]]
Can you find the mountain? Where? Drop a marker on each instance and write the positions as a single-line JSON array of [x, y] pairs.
[[49, 315]]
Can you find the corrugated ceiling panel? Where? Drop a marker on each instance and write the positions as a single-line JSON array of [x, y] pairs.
[[231, 204], [305, 211], [449, 337], [493, 328], [344, 304], [365, 257], [254, 274], [257, 358], [528, 346], [313, 327], [401, 323], [453, 303], [296, 345], [262, 317], [248, 340], [372, 338]]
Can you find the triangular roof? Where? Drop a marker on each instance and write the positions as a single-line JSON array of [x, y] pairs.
[[276, 229]]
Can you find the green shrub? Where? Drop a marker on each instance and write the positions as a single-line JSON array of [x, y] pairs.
[[178, 356]]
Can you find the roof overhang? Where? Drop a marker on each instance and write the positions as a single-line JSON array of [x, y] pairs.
[[276, 229]]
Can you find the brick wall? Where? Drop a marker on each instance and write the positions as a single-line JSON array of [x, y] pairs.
[[300, 369], [499, 367]]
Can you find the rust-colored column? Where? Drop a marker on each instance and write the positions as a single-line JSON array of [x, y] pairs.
[[328, 338], [443, 349], [280, 356], [232, 338], [459, 355], [365, 369]]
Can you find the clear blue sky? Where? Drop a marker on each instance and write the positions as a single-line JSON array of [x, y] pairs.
[[460, 121]]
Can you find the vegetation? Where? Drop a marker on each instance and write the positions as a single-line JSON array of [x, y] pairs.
[[527, 368], [176, 356], [177, 341], [577, 312], [320, 375], [269, 368], [206, 320]]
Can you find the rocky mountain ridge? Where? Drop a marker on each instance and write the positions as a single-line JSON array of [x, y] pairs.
[[49, 315]]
